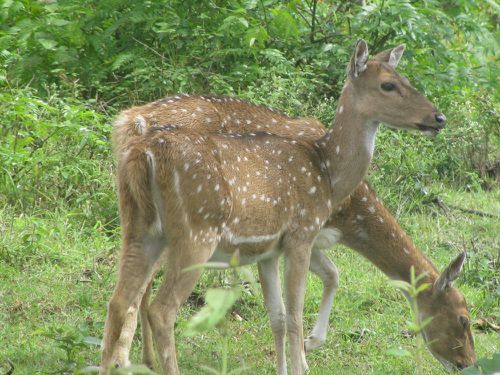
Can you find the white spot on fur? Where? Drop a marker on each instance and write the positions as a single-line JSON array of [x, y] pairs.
[[140, 124]]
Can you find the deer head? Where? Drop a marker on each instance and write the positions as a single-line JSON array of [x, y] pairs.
[[388, 97], [448, 335]]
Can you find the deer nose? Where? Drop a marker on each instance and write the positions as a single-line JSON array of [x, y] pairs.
[[440, 119]]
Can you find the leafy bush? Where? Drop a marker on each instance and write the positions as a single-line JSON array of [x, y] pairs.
[[52, 150], [139, 51], [290, 55]]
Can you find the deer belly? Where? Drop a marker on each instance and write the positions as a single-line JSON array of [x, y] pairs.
[[327, 238], [256, 249]]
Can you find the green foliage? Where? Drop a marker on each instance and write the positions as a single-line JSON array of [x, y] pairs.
[[110, 48], [72, 342], [218, 302], [291, 55], [484, 366], [52, 149], [413, 289]]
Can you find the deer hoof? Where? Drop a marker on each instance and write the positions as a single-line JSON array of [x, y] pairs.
[[312, 343]]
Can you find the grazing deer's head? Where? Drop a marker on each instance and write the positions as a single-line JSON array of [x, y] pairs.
[[388, 97], [448, 334]]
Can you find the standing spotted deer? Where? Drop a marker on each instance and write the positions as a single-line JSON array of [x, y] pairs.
[[361, 223], [197, 197]]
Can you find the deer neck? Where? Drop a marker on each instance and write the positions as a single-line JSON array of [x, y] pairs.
[[396, 258], [347, 148], [369, 228]]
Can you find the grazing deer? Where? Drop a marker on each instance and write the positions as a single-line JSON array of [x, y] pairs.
[[365, 225], [200, 197]]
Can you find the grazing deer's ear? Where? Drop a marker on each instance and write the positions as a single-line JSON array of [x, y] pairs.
[[358, 59], [391, 56], [450, 273]]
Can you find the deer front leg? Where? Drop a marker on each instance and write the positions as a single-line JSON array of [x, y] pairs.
[[324, 268], [271, 289], [297, 261]]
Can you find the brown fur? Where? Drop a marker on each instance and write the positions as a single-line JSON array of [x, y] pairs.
[[170, 149]]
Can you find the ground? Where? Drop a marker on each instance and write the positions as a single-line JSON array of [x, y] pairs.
[[57, 273]]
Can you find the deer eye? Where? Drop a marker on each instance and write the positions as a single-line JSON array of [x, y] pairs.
[[388, 86], [464, 321]]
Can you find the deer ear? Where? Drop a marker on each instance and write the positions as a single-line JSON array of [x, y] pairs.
[[358, 59], [391, 56], [450, 273]]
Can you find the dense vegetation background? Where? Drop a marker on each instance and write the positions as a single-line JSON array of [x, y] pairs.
[[67, 67]]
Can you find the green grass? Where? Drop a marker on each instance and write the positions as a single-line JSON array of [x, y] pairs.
[[57, 273]]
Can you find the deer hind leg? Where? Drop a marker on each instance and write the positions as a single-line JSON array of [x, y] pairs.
[[147, 338], [122, 348], [326, 270], [297, 260], [271, 288], [136, 267], [174, 291], [148, 355]]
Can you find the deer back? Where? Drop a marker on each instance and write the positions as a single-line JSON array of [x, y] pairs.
[[210, 115]]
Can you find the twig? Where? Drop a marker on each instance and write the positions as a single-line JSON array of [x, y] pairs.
[[313, 20], [446, 207], [150, 48], [265, 16], [302, 16]]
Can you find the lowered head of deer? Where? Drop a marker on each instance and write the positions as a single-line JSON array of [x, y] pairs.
[[448, 334], [385, 96]]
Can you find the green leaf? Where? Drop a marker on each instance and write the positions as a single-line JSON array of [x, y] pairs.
[[423, 287], [484, 366], [470, 371], [490, 366], [425, 322], [235, 259], [256, 37], [233, 23], [48, 43], [209, 265], [284, 25], [121, 60], [327, 47], [218, 302], [92, 341], [58, 22], [400, 284]]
